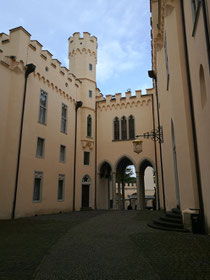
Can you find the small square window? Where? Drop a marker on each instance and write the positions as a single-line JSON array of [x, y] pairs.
[[62, 153], [61, 187], [90, 93], [90, 67], [40, 147], [86, 158], [38, 176]]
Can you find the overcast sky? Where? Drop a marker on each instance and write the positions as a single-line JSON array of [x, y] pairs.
[[121, 26]]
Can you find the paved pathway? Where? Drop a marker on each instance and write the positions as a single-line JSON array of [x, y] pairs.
[[119, 245]]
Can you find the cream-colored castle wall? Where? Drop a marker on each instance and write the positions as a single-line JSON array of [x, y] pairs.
[[197, 45], [112, 151], [174, 102]]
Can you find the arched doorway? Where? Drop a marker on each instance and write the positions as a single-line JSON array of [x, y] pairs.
[[86, 192], [105, 179], [125, 168], [147, 188]]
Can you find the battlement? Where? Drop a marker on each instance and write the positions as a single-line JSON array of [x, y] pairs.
[[17, 48], [86, 43], [119, 101]]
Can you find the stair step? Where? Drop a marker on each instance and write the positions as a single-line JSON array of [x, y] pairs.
[[173, 215], [171, 220], [152, 225], [167, 224], [176, 211]]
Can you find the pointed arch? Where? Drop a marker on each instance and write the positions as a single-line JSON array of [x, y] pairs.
[[131, 127], [202, 87], [123, 128], [116, 124]]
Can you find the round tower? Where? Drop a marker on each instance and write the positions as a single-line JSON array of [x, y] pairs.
[[83, 56]]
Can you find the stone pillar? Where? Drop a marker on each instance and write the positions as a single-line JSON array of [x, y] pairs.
[[123, 195], [114, 189], [119, 197], [138, 190]]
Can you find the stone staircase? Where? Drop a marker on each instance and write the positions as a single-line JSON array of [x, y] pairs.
[[171, 221]]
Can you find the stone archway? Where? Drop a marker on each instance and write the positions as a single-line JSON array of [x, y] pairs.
[[120, 168], [141, 181], [106, 196]]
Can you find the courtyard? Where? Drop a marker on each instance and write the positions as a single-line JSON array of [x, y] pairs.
[[100, 245]]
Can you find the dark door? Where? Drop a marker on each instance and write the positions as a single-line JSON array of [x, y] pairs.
[[85, 196]]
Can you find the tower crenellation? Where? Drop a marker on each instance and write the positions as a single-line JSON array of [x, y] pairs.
[[83, 55]]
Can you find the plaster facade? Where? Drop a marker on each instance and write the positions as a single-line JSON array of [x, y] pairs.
[[55, 170], [181, 61]]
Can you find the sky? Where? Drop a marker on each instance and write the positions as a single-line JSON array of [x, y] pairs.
[[121, 26]]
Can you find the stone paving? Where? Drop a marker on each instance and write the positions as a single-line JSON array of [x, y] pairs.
[[119, 245]]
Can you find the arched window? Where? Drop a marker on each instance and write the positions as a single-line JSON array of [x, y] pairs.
[[116, 129], [131, 127], [202, 87], [89, 126], [123, 128]]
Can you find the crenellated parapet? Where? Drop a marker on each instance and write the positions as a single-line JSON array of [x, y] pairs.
[[48, 69], [86, 44], [117, 101]]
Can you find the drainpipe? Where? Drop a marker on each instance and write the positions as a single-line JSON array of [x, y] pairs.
[[78, 105], [96, 139], [192, 115], [152, 75], [156, 164], [29, 69]]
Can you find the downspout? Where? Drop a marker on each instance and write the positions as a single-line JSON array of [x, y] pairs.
[[77, 106], [96, 139], [29, 69], [192, 115], [160, 146], [156, 164]]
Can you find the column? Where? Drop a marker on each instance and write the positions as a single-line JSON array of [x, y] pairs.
[[114, 189], [123, 194], [138, 190], [119, 195]]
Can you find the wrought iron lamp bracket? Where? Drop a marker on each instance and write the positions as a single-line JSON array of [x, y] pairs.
[[154, 135]]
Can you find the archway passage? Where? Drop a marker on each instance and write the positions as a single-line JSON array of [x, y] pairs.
[[124, 198], [105, 178], [148, 191]]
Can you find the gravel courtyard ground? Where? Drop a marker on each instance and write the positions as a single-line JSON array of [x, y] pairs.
[[100, 245]]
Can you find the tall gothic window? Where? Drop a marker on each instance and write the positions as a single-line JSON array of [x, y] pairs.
[[131, 128], [89, 126], [123, 128], [116, 129]]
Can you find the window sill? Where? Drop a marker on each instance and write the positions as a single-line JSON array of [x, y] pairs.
[[42, 123], [41, 157], [122, 140]]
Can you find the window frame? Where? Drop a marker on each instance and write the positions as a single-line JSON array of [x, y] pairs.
[[64, 118], [116, 119], [90, 67], [43, 148], [86, 164], [42, 107], [131, 117], [123, 118], [60, 159], [61, 176], [38, 174], [90, 93], [89, 118]]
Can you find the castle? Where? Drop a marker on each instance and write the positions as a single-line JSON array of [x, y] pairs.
[[71, 135], [64, 146]]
